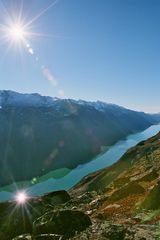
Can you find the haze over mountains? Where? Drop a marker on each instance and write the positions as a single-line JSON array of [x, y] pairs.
[[39, 134]]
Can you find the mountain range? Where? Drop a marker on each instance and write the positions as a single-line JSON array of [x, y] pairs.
[[39, 134]]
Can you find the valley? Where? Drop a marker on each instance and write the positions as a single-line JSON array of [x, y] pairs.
[[120, 202], [41, 134], [65, 178]]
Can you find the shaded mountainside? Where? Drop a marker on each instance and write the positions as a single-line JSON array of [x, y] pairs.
[[121, 202], [40, 134]]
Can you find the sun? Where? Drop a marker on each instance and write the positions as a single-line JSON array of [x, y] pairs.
[[16, 32], [21, 197]]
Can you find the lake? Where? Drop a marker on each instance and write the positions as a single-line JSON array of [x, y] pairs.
[[100, 162]]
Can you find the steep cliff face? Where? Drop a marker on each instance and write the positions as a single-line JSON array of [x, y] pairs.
[[39, 134]]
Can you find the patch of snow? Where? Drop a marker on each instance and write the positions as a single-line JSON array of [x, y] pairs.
[[19, 99]]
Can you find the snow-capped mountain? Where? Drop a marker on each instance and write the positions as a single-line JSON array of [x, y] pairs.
[[39, 134], [10, 98]]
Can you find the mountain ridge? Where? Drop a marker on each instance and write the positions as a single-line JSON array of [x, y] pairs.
[[15, 96], [40, 134]]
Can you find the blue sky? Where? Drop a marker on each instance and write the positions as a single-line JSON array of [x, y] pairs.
[[104, 50]]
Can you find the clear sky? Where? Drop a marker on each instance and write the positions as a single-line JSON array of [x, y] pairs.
[[106, 50]]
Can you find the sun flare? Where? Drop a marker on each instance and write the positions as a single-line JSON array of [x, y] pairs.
[[21, 197], [16, 32]]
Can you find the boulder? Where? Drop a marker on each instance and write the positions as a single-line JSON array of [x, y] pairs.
[[57, 197], [64, 222]]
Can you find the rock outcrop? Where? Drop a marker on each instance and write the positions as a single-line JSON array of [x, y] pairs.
[[62, 222]]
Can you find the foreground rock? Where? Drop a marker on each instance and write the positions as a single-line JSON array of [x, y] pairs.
[[65, 222], [57, 197], [104, 230]]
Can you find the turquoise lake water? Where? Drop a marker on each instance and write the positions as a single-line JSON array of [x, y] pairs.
[[100, 162]]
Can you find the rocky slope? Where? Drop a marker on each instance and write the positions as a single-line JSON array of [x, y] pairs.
[[121, 202], [40, 134]]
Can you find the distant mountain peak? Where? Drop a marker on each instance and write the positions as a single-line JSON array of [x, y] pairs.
[[43, 132], [12, 98]]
